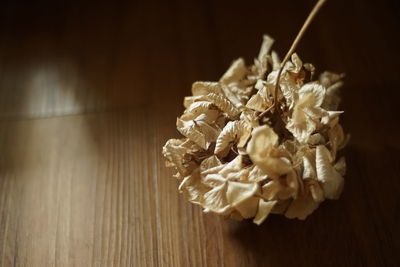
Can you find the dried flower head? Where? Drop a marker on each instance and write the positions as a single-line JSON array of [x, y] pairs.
[[263, 139], [243, 158]]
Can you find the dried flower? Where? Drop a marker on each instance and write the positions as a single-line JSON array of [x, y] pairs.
[[242, 158]]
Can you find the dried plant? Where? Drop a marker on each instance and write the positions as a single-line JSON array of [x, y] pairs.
[[261, 140]]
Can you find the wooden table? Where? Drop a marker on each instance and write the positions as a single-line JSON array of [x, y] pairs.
[[89, 93]]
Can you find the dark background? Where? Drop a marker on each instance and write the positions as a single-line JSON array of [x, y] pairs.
[[112, 64]]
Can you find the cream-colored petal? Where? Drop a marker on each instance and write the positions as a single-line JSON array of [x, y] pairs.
[[260, 101], [192, 187], [204, 88], [301, 128], [265, 47], [213, 179], [231, 93], [256, 175], [276, 62], [263, 138], [199, 107], [234, 165], [289, 88], [215, 200], [250, 118], [232, 131], [189, 129], [270, 190], [316, 191], [260, 148], [264, 209], [315, 93], [207, 115], [308, 169], [331, 180], [301, 207], [259, 84], [306, 112], [262, 59], [188, 100], [241, 175], [297, 64], [223, 104], [212, 170], [210, 162], [257, 102], [238, 192], [314, 113], [235, 73], [175, 150], [210, 132], [248, 208]]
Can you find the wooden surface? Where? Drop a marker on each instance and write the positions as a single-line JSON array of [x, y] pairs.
[[89, 92]]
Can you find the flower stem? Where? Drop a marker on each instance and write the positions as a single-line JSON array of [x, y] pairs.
[[296, 41]]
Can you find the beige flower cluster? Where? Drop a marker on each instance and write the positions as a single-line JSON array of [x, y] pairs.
[[244, 156]]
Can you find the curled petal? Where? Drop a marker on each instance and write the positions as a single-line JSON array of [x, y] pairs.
[[235, 73], [232, 132], [198, 131], [223, 104], [331, 180], [176, 152], [204, 88], [262, 60]]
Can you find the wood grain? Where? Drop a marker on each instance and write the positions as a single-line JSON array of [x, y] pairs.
[[89, 93]]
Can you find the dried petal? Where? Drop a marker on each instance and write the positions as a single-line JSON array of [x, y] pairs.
[[215, 200], [198, 131], [223, 104], [192, 187], [238, 192], [209, 163], [248, 208], [331, 180], [301, 207], [232, 132], [264, 208], [262, 60], [261, 148], [205, 88], [235, 73], [306, 112], [176, 151]]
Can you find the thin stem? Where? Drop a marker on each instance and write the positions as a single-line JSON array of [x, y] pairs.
[[265, 111], [296, 41]]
